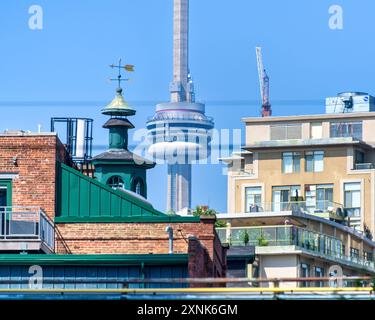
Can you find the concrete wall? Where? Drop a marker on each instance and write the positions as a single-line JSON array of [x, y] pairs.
[[279, 266], [260, 131]]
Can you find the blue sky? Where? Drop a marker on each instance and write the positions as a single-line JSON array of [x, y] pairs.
[[62, 70]]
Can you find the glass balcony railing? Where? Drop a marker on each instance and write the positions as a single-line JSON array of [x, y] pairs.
[[364, 166], [26, 224], [311, 241], [324, 208]]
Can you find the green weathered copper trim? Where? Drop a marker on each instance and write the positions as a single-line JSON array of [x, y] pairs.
[[8, 184], [92, 259], [135, 219], [118, 162]]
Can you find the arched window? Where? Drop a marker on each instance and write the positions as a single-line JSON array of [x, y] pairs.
[[138, 186], [116, 182]]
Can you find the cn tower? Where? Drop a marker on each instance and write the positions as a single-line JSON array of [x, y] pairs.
[[179, 131]]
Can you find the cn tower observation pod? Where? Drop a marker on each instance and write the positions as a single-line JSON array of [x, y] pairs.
[[180, 130]]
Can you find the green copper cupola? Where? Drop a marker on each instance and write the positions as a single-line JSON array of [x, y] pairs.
[[118, 133], [118, 167]]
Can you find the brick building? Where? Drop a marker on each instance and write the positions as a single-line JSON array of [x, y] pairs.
[[48, 208]]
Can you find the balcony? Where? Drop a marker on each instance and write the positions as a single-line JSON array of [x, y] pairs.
[[307, 241], [325, 209], [26, 229]]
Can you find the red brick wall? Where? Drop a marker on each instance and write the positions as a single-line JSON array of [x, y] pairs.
[[131, 238], [206, 252], [36, 168], [203, 264]]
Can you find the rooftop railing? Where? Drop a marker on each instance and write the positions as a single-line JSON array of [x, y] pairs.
[[310, 241], [26, 224]]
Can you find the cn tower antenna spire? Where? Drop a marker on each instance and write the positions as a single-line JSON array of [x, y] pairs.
[[180, 88]]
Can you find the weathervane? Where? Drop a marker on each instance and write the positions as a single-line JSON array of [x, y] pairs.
[[127, 67]]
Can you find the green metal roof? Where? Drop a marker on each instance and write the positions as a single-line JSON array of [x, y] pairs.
[[82, 196], [81, 199], [93, 259], [118, 106]]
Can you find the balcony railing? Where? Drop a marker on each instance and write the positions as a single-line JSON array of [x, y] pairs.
[[323, 207], [364, 166], [311, 241], [26, 224]]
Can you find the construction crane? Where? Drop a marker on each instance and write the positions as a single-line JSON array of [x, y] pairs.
[[264, 82]]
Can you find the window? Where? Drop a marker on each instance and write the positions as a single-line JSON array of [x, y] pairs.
[[359, 157], [305, 271], [359, 161], [284, 196], [286, 132], [319, 273], [368, 256], [3, 196], [253, 199], [116, 182], [137, 186], [354, 253], [319, 198], [291, 162], [316, 130], [352, 199], [314, 161], [346, 129]]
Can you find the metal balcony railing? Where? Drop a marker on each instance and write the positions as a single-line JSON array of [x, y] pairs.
[[310, 241], [26, 224]]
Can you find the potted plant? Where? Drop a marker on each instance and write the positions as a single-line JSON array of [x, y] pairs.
[[220, 224], [245, 238], [203, 211], [262, 242]]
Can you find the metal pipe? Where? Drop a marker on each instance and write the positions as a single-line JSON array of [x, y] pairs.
[[184, 280], [169, 230], [192, 290]]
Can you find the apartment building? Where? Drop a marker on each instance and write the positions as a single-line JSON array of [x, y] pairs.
[[303, 191], [321, 164]]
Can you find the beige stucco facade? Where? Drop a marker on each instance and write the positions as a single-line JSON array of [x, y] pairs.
[[319, 166]]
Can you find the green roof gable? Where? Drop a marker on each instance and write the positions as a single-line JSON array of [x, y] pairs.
[[84, 199]]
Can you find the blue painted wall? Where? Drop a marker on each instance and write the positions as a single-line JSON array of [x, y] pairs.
[[91, 274]]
